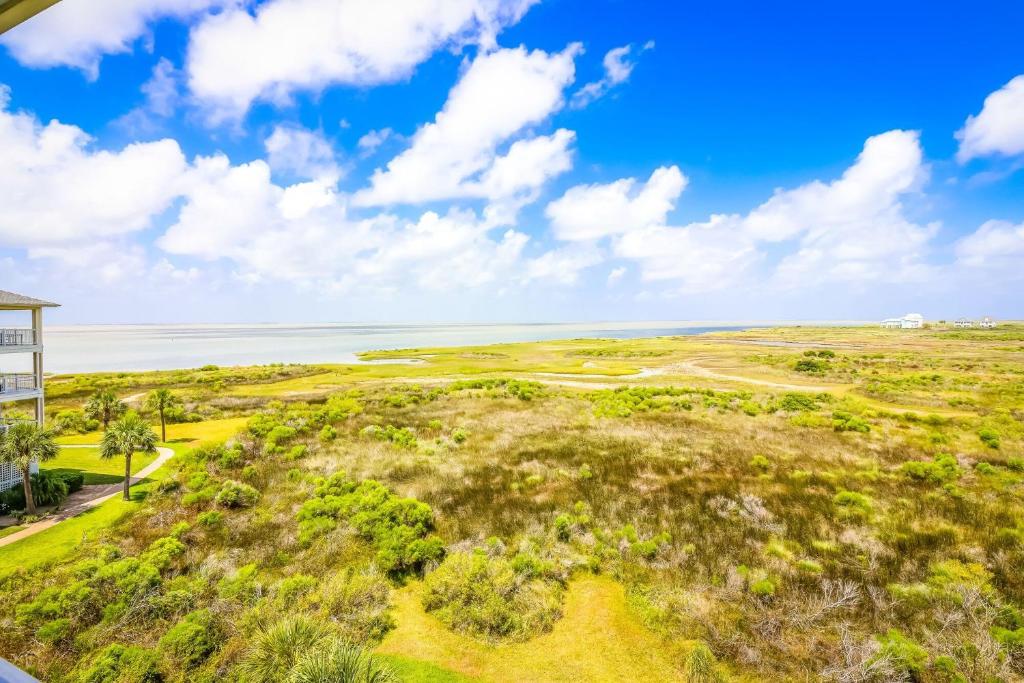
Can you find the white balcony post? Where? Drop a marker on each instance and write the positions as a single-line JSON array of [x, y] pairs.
[[37, 363]]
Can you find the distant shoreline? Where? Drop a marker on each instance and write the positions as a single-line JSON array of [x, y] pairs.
[[128, 348]]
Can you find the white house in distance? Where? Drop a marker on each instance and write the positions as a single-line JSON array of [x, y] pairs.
[[987, 323], [911, 321], [15, 344], [963, 323]]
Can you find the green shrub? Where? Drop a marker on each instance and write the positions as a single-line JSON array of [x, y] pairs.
[[188, 643], [210, 519], [943, 468], [241, 585], [989, 437], [797, 403], [811, 366], [903, 652], [484, 596], [55, 631], [459, 435], [234, 494], [120, 664], [290, 589], [853, 505], [328, 434], [846, 422], [162, 552], [403, 437], [763, 588], [359, 603], [398, 527], [760, 462], [74, 421], [48, 488]]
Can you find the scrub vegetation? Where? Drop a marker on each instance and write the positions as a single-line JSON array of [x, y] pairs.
[[800, 504]]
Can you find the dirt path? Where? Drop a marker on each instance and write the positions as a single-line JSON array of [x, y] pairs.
[[691, 367], [88, 498]]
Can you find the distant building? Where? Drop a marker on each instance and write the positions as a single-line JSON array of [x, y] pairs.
[[964, 323], [987, 323], [911, 321], [21, 386]]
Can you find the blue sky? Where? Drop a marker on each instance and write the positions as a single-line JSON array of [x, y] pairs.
[[513, 160]]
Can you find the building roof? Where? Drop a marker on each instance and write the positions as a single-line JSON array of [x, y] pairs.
[[13, 12], [12, 300]]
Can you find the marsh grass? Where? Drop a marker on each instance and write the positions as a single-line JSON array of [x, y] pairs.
[[757, 530]]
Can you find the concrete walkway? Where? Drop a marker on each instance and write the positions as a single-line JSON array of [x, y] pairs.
[[88, 498]]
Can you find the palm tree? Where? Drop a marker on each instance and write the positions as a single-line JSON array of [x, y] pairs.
[[24, 443], [105, 406], [129, 435], [161, 400]]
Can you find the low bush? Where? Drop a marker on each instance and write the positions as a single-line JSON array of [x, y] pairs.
[[188, 643], [843, 421], [852, 505], [234, 494], [398, 527], [811, 366], [403, 437], [942, 469], [486, 597], [120, 664], [359, 603], [48, 488], [989, 437]]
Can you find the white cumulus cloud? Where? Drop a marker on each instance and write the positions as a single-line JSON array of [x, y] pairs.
[[58, 190], [77, 33], [281, 47], [852, 228], [304, 153], [500, 95], [995, 242], [999, 128], [588, 212]]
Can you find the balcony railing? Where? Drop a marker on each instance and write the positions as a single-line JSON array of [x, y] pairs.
[[17, 383], [17, 337]]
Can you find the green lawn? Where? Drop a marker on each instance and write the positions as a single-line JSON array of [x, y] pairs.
[[7, 531], [414, 671], [96, 470], [63, 538]]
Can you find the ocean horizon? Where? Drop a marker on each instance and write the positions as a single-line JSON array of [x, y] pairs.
[[112, 348]]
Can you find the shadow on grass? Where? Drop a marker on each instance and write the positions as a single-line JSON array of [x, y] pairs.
[[91, 478]]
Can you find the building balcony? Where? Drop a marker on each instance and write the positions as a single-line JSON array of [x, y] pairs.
[[17, 386], [18, 340]]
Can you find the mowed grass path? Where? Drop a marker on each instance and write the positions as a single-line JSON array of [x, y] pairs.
[[597, 639], [198, 432], [96, 469]]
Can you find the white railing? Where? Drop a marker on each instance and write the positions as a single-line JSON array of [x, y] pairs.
[[15, 383], [17, 336]]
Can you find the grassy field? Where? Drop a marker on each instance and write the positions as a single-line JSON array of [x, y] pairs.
[[78, 533], [96, 469], [797, 504]]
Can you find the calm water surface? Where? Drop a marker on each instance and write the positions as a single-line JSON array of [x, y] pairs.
[[163, 347]]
